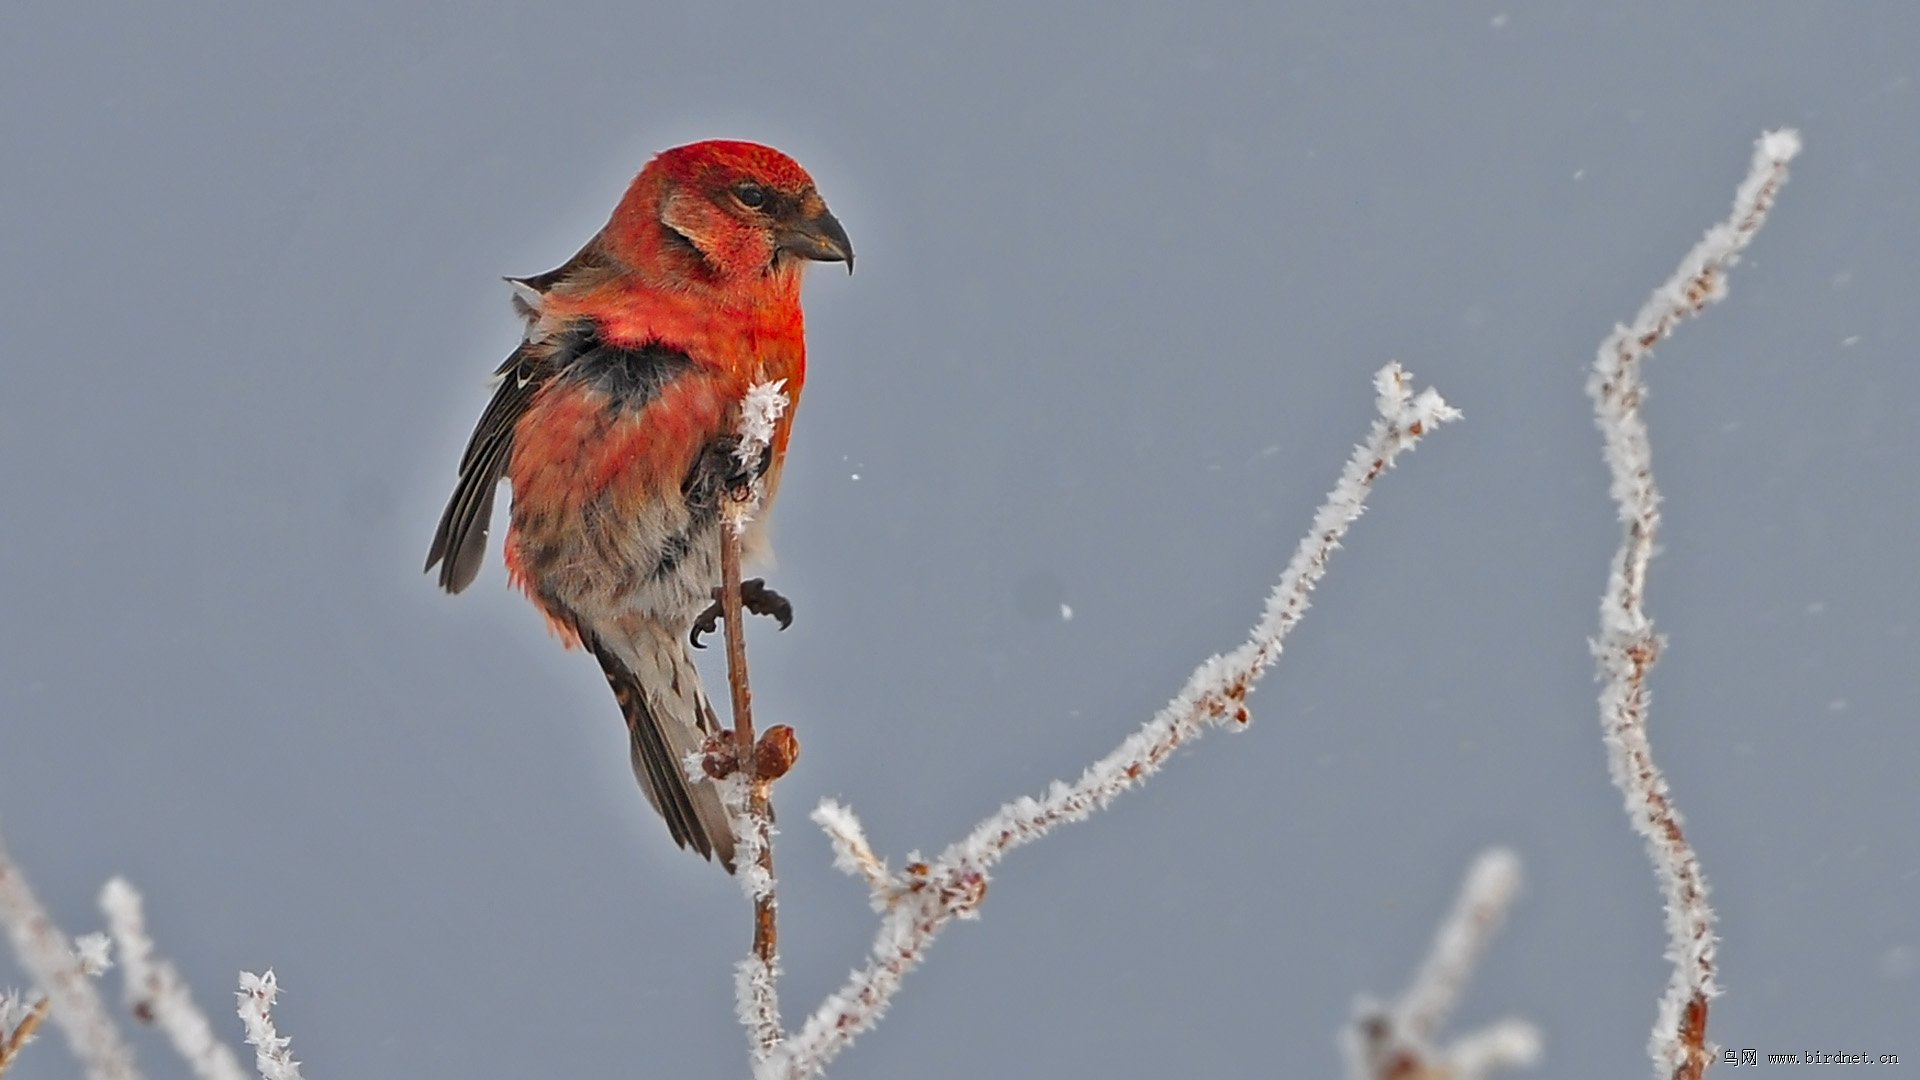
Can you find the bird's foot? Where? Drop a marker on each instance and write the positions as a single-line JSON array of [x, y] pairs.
[[719, 472], [755, 597]]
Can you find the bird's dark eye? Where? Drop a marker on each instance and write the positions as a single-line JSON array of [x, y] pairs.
[[751, 196]]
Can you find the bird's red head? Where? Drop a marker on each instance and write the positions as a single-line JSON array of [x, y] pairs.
[[727, 213]]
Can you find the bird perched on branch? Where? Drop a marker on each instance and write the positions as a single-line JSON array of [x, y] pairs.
[[614, 422]]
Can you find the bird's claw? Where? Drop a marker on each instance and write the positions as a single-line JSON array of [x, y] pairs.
[[707, 622], [755, 597]]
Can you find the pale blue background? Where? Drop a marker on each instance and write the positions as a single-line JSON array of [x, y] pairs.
[[1124, 273]]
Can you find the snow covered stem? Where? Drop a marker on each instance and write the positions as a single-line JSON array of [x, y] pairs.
[[1627, 646], [917, 903], [748, 791], [31, 1017], [759, 412], [271, 1053], [1396, 1042], [53, 964], [156, 993]]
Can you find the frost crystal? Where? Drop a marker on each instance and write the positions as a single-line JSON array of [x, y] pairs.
[[760, 411], [272, 1055], [12, 1010], [94, 951]]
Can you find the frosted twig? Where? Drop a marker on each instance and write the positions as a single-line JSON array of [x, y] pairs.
[[20, 1022], [953, 884], [852, 855], [155, 992], [1503, 1044], [760, 413], [14, 1010], [14, 1036], [756, 978], [751, 836], [60, 972], [756, 995], [1484, 898], [1627, 646], [271, 1053], [747, 793], [1396, 1042]]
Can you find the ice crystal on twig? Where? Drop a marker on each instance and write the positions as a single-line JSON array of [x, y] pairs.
[[760, 411], [272, 1053]]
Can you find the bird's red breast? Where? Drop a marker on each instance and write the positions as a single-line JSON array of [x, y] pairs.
[[616, 422]]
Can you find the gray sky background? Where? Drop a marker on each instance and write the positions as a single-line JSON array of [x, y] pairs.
[[1124, 273]]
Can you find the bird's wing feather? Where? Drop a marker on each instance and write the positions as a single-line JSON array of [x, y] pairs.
[[668, 717], [460, 543], [588, 266]]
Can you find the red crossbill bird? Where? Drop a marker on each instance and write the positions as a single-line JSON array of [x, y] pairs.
[[614, 425]]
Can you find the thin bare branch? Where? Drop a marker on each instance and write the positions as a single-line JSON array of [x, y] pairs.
[[747, 792], [931, 895]]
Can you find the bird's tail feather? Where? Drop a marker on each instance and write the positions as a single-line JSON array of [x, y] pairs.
[[668, 717]]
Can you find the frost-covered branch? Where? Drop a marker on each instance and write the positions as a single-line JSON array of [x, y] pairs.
[[19, 1022], [746, 779], [757, 978], [60, 971], [1485, 896], [853, 855], [272, 1053], [155, 992], [760, 412], [1627, 646], [1396, 1042], [919, 902]]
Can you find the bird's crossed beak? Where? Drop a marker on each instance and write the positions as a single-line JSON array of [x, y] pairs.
[[818, 237]]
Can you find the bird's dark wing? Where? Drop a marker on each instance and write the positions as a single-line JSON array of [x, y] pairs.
[[588, 267], [662, 740], [460, 543]]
